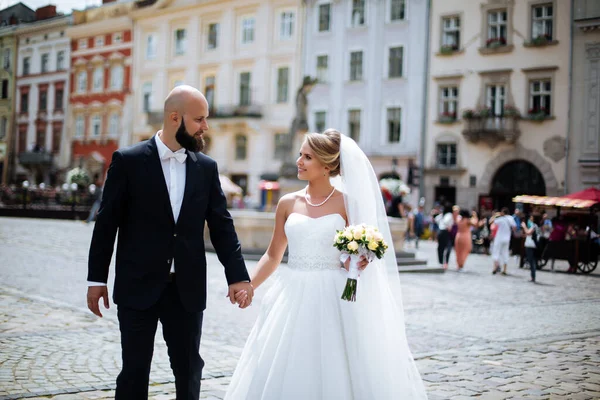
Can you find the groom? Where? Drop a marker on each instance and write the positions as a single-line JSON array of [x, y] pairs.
[[158, 195]]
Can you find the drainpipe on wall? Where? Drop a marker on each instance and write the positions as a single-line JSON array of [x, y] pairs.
[[424, 106], [568, 138]]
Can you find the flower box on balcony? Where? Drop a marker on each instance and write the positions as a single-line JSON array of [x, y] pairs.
[[541, 41], [447, 118], [494, 43], [448, 49], [538, 115]]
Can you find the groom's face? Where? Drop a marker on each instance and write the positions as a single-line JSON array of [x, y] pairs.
[[194, 141]]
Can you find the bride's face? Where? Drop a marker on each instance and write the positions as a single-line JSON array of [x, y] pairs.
[[309, 167]]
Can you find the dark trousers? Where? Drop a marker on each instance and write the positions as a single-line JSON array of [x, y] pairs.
[[181, 331], [530, 254], [445, 244]]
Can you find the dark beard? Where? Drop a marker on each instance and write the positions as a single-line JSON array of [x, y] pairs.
[[187, 141]]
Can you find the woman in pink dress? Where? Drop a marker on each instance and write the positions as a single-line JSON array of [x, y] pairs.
[[464, 242]]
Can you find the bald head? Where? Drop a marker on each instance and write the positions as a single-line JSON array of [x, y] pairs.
[[183, 97]]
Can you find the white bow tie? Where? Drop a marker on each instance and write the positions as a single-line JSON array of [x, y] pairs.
[[178, 156]]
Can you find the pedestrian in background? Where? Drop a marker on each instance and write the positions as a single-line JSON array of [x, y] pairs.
[[463, 242], [445, 221], [530, 229], [505, 225]]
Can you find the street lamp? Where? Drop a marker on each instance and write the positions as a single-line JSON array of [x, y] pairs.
[[25, 186], [73, 188]]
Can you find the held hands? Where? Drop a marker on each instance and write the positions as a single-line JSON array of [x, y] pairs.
[[93, 297], [362, 264], [241, 293]]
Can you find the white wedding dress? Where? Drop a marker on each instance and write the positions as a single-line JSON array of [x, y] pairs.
[[309, 344]]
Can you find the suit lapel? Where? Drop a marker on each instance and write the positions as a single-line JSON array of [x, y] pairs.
[[156, 173], [192, 177]]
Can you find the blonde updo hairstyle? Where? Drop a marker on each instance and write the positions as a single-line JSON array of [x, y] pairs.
[[326, 147]]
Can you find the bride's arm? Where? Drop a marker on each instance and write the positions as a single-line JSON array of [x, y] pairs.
[[272, 258]]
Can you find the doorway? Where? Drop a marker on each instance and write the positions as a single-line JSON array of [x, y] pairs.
[[516, 178]]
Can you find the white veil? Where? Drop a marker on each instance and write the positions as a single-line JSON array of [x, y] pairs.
[[377, 317]]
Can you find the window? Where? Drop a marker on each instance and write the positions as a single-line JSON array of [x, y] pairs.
[[322, 62], [282, 84], [247, 30], [393, 124], [3, 125], [58, 99], [495, 99], [320, 121], [56, 134], [24, 103], [451, 33], [180, 42], [96, 125], [395, 62], [446, 155], [497, 28], [45, 61], [540, 97], [324, 17], [213, 36], [245, 89], [22, 140], [82, 82], [178, 82], [448, 102], [116, 77], [542, 21], [150, 47], [209, 91], [60, 60], [43, 101], [241, 143], [79, 126], [98, 82], [114, 124], [82, 44], [358, 12], [354, 124], [6, 60], [117, 38], [40, 137], [280, 151], [286, 30], [356, 71], [99, 41], [26, 65], [4, 88], [397, 10], [147, 96]]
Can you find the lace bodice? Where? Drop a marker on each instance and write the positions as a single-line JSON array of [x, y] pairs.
[[310, 241]]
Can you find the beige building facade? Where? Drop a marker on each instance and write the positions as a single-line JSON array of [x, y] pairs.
[[498, 101], [243, 55]]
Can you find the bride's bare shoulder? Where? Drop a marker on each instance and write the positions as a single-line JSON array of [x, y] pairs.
[[288, 200]]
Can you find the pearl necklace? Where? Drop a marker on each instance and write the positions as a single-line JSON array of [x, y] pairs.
[[320, 204]]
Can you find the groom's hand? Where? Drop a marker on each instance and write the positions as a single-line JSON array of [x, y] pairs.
[[93, 297], [241, 293]]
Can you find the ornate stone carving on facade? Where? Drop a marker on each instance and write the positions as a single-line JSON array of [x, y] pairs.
[[555, 148]]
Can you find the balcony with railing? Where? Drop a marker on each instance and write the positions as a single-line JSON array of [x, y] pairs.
[[155, 118], [32, 158], [491, 129]]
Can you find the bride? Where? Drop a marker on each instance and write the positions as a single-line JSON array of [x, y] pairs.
[[307, 343]]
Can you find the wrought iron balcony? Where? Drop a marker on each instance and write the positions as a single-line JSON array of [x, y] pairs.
[[491, 129], [35, 158], [250, 111]]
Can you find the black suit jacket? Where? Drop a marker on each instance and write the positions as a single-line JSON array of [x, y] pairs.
[[136, 203]]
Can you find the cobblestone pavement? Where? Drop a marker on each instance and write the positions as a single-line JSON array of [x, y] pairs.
[[473, 334]]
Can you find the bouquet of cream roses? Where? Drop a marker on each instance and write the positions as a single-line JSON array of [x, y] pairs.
[[355, 241]]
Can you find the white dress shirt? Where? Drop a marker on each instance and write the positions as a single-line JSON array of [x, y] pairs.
[[173, 166]]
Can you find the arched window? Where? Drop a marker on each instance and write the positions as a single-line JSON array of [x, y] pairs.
[[116, 77], [241, 144]]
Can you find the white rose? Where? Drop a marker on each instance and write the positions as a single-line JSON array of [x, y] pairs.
[[373, 246], [348, 234], [357, 235], [353, 246], [378, 236], [369, 237]]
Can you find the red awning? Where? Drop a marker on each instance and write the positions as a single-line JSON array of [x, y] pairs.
[[587, 194], [268, 185]]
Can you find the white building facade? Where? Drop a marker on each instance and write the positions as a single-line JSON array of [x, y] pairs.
[[243, 55], [42, 90], [369, 59]]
